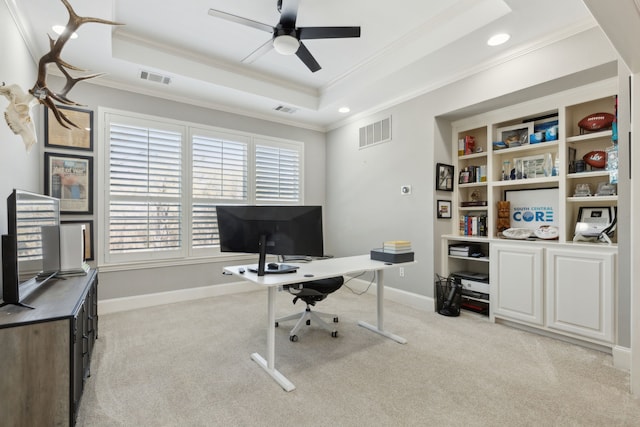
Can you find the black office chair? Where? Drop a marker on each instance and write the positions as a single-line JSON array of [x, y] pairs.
[[310, 293]]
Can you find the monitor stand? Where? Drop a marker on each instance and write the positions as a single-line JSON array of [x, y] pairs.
[[262, 257]]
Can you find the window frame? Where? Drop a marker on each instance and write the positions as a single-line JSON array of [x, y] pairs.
[[186, 254]]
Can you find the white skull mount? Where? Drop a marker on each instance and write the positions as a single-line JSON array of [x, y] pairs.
[[18, 113]]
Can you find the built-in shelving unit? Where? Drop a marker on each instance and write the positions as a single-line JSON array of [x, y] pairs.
[[538, 298]]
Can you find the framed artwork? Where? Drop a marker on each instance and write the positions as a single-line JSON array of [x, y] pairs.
[[70, 179], [444, 208], [537, 166], [57, 136], [88, 237], [444, 177], [533, 208]]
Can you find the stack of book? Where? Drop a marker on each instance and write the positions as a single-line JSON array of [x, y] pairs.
[[464, 249], [393, 251], [397, 246]]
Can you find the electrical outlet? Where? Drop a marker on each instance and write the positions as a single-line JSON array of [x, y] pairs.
[[401, 270]]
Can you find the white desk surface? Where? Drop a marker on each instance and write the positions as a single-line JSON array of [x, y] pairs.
[[320, 269]]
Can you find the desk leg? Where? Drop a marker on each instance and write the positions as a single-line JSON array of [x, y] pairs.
[[380, 300], [269, 364]]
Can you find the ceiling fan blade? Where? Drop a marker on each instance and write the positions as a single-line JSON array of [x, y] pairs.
[[241, 20], [306, 33], [308, 59], [289, 13], [266, 47]]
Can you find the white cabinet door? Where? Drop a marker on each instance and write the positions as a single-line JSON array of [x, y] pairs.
[[580, 292], [516, 282]]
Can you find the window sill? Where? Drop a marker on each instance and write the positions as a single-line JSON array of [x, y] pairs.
[[230, 259]]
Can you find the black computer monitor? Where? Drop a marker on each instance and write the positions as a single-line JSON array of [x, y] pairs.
[[275, 230]]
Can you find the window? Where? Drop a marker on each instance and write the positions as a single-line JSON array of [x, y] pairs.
[[165, 179]]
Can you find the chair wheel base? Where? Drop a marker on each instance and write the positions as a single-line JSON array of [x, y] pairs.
[[293, 338], [334, 334]]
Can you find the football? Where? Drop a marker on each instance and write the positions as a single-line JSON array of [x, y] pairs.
[[596, 121], [596, 159]]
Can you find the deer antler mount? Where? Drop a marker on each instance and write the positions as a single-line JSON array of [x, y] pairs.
[[18, 113]]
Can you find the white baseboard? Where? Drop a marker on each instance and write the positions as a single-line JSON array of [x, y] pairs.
[[115, 305], [621, 357], [419, 302]]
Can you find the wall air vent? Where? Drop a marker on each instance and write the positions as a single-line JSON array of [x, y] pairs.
[[285, 109], [155, 77], [375, 133]]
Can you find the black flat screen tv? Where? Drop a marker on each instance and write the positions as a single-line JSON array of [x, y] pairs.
[[31, 247], [274, 230]]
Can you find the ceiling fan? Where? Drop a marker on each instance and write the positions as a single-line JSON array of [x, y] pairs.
[[286, 37]]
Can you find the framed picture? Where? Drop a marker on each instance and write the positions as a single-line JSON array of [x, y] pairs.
[[537, 166], [57, 136], [532, 208], [70, 179], [516, 135], [88, 237], [444, 177], [444, 208]]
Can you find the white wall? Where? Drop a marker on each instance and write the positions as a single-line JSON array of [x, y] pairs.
[[18, 169], [363, 186]]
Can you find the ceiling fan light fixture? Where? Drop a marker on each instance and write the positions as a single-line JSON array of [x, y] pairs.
[[286, 45]]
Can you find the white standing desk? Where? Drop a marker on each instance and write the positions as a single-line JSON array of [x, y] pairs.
[[319, 269]]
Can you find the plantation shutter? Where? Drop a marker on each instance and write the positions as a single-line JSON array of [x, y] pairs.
[[219, 168], [277, 174], [145, 188]]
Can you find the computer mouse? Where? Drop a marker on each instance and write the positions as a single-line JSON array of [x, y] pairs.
[[272, 266]]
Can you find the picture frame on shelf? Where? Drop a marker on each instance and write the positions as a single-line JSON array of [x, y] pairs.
[[70, 179], [516, 135], [444, 177], [88, 237], [57, 136], [444, 209], [536, 166]]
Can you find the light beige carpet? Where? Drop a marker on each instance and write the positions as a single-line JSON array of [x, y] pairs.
[[188, 364]]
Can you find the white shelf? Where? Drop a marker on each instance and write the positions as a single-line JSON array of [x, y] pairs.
[[470, 258], [473, 184], [473, 208], [593, 199], [590, 174], [590, 136], [528, 147], [527, 181], [473, 156]]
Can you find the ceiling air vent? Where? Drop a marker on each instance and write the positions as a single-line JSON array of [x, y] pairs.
[[375, 133], [285, 109], [155, 77]]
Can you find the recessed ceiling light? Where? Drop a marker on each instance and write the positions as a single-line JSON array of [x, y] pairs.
[[498, 39], [58, 29], [344, 110]]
